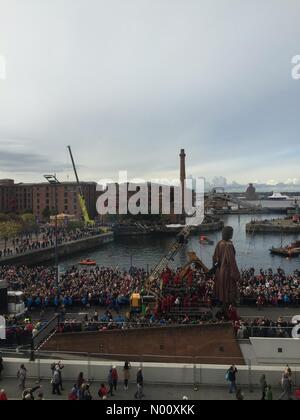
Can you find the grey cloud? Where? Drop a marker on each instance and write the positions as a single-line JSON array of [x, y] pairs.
[[20, 162]]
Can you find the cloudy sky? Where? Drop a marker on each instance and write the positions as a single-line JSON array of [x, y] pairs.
[[129, 82]]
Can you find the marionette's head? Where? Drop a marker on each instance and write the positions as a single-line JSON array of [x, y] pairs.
[[227, 233]]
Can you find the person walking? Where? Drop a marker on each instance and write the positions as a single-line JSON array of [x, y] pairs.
[[126, 371], [60, 367], [231, 378], [110, 383], [263, 387], [115, 377], [140, 385], [56, 382], [269, 393], [22, 376], [80, 380], [286, 388]]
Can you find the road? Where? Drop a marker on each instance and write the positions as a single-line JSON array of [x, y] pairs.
[[154, 392]]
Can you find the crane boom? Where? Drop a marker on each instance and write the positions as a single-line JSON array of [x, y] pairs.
[[75, 170], [81, 198]]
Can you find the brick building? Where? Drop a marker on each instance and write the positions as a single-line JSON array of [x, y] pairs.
[[35, 198]]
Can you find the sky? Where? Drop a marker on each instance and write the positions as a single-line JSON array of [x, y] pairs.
[[128, 83]]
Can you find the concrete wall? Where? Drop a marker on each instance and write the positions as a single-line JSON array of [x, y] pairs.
[[153, 372], [276, 350], [48, 254], [211, 343]]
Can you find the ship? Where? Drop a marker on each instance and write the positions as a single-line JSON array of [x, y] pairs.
[[290, 251], [278, 196]]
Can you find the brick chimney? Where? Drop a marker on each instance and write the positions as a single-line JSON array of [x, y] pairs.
[[182, 176], [182, 166]]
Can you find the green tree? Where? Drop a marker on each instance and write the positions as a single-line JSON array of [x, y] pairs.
[[9, 230], [46, 213]]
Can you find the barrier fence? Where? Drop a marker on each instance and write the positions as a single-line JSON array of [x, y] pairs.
[[195, 373]]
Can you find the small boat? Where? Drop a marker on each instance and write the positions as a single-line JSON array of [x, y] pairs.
[[288, 251], [87, 262], [278, 196], [205, 240]]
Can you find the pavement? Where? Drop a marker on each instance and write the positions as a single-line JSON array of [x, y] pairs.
[[153, 392]]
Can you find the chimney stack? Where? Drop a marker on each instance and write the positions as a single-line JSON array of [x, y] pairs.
[[182, 166], [182, 179]]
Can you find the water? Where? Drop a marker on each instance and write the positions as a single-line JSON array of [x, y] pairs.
[[252, 250]]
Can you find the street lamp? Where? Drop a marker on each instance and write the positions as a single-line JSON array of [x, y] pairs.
[[54, 181]]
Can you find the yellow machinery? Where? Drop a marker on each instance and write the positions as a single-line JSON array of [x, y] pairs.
[[81, 199], [135, 302]]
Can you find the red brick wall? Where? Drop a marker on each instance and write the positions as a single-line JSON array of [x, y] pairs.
[[215, 344]]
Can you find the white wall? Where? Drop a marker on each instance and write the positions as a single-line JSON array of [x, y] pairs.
[[266, 350]]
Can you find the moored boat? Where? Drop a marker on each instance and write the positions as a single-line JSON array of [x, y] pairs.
[[87, 261], [205, 240], [278, 196], [288, 252]]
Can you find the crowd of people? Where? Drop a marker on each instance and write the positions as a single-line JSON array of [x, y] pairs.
[[270, 288], [46, 238], [263, 327], [20, 331], [81, 391], [286, 384], [113, 287]]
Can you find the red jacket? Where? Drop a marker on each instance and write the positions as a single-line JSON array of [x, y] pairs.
[[114, 375], [3, 396]]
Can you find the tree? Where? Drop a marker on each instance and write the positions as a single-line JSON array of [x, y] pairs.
[[46, 213], [29, 223], [9, 230]]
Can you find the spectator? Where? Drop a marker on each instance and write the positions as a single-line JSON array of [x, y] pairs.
[[127, 368], [3, 396], [28, 394], [239, 395], [80, 380], [231, 378], [22, 376], [140, 385], [115, 377], [286, 388], [85, 394], [56, 382], [297, 394], [269, 393], [110, 383], [263, 387], [74, 394], [60, 367], [103, 392]]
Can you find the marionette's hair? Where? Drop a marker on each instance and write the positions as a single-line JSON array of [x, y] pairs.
[[227, 233]]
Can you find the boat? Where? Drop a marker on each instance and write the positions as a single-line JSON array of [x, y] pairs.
[[205, 240], [88, 261], [278, 196], [289, 251]]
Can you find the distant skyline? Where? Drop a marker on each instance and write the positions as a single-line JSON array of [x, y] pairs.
[[128, 83]]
